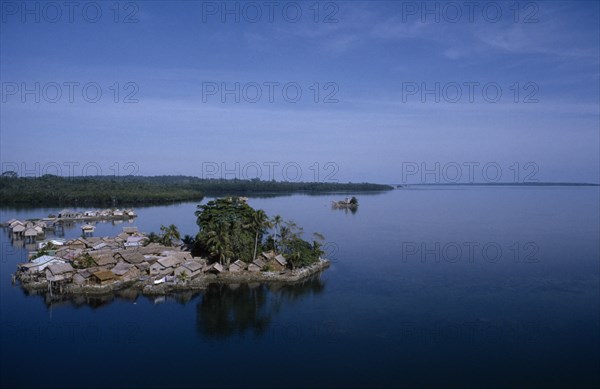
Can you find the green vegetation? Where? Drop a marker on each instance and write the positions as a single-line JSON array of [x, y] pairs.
[[103, 190], [227, 229], [168, 236], [230, 229]]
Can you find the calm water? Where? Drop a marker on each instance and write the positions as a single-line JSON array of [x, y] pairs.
[[429, 287]]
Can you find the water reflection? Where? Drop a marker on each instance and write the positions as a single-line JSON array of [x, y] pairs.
[[223, 310], [227, 310]]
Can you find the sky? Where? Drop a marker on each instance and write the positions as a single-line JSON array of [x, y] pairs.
[[387, 92]]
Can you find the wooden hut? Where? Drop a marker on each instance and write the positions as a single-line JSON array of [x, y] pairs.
[[237, 266], [103, 277]]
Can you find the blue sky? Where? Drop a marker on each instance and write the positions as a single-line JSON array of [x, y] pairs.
[[365, 57]]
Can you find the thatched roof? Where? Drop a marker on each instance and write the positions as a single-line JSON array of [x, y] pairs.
[[152, 248], [281, 260], [143, 266], [31, 232], [268, 254], [78, 279], [121, 268], [60, 268], [214, 267], [130, 256], [237, 266], [103, 257], [104, 275], [18, 228], [193, 265], [170, 261]]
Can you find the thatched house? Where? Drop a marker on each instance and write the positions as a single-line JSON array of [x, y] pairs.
[[165, 266], [135, 241], [103, 277], [268, 255], [191, 268], [182, 255], [30, 233], [152, 249], [82, 277], [100, 246], [78, 243], [59, 272], [68, 253], [143, 267], [278, 263], [130, 256], [257, 265], [68, 214], [122, 237], [41, 263], [215, 267], [18, 231], [125, 271], [171, 261], [103, 258], [237, 266]]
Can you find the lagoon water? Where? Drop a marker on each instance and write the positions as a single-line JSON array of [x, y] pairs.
[[429, 287]]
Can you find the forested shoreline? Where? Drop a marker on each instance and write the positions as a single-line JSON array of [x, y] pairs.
[[109, 190]]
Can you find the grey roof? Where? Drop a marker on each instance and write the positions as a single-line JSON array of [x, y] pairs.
[[239, 264], [84, 273], [30, 232], [253, 267], [78, 279], [19, 228], [193, 265], [130, 256], [42, 262], [216, 266], [259, 262], [100, 246], [281, 259], [103, 257], [170, 261], [268, 254], [60, 268], [121, 268], [143, 266]]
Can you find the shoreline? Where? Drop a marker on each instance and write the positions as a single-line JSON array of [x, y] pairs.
[[147, 287]]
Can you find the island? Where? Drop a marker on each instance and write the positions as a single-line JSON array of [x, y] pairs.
[[235, 244], [347, 203]]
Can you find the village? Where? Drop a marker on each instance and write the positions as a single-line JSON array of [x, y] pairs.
[[30, 231], [98, 265]]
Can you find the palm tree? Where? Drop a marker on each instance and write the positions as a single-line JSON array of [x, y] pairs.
[[276, 221], [318, 238], [169, 234], [259, 222], [219, 244]]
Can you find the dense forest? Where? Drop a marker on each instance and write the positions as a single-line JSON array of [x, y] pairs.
[[230, 229], [110, 190]]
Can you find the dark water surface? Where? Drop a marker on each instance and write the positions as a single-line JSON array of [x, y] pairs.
[[429, 287]]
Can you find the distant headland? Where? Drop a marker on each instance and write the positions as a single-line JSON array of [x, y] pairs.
[[51, 190]]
